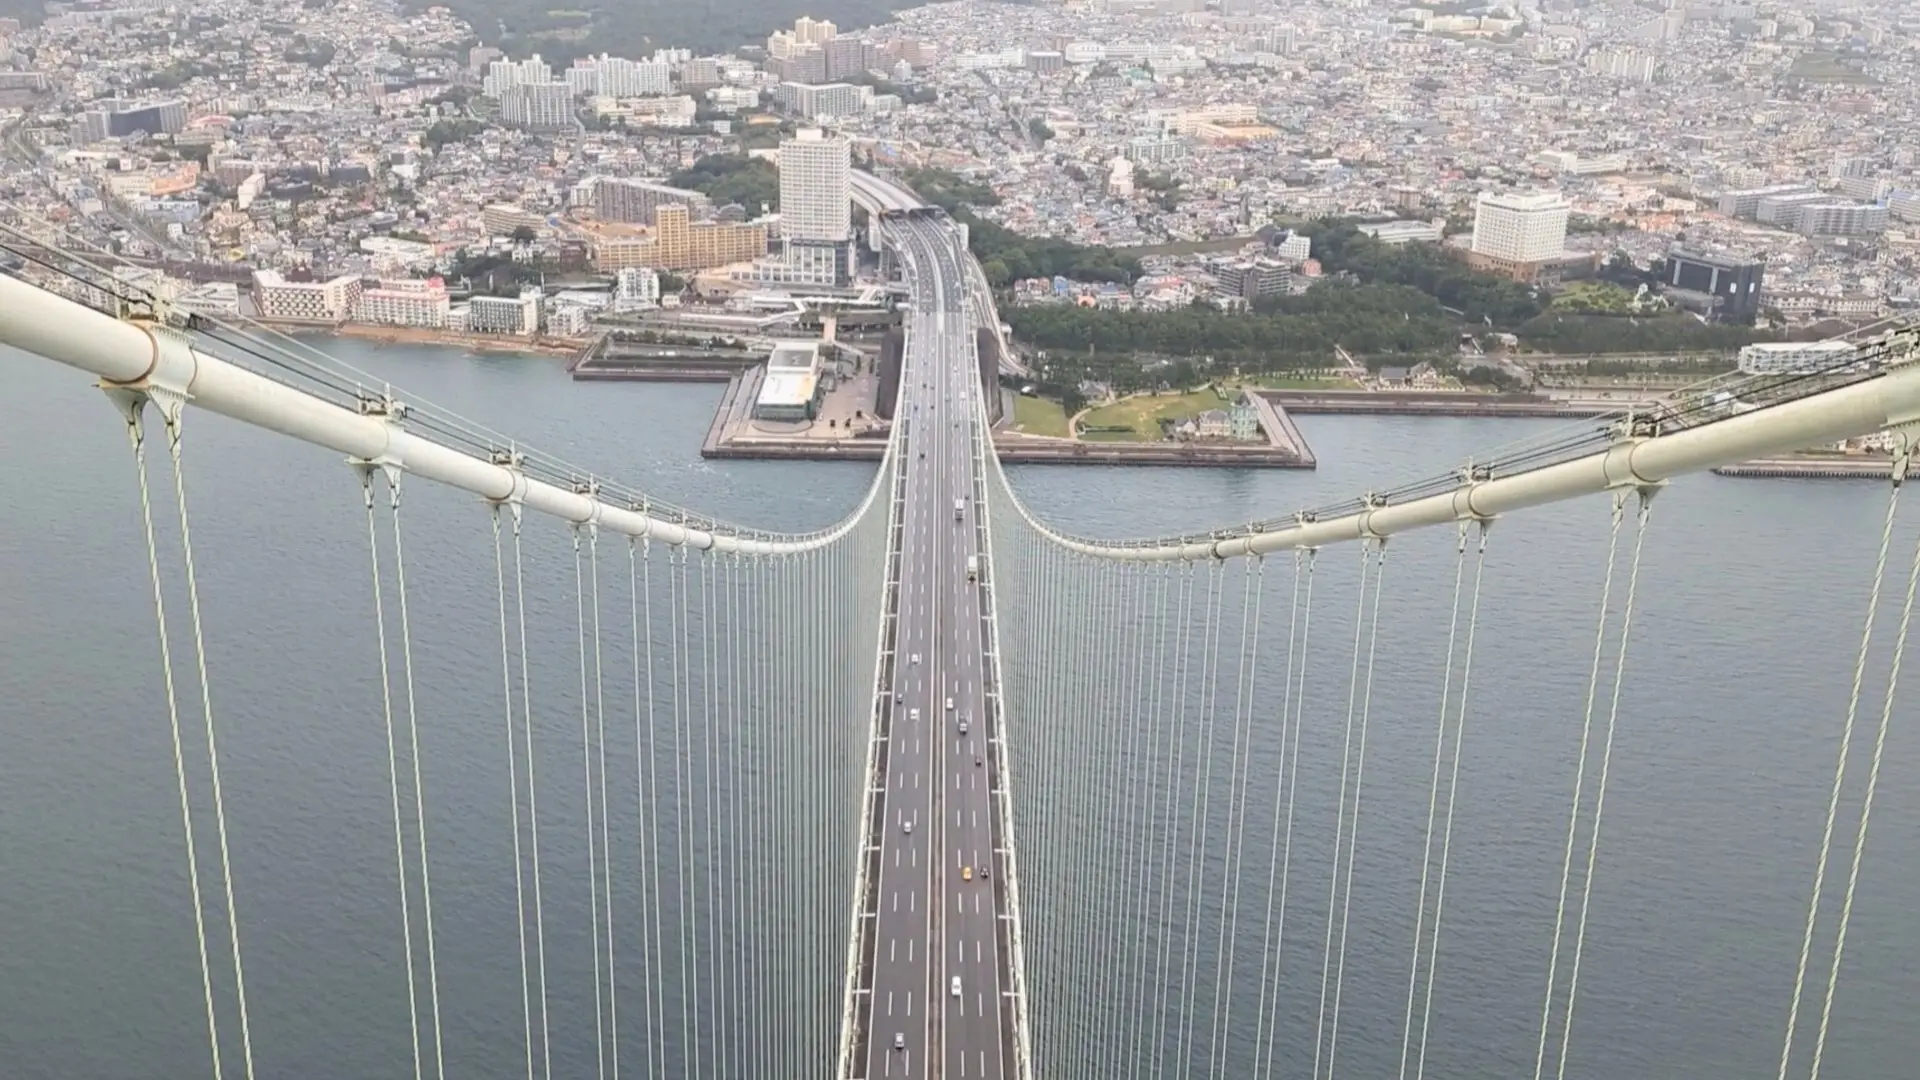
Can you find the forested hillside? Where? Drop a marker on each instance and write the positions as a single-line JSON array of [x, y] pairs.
[[635, 28]]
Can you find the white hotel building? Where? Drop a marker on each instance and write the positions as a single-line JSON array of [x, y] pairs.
[[1520, 228], [1518, 235], [305, 301], [405, 302]]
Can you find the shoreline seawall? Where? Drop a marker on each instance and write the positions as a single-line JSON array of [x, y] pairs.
[[420, 335]]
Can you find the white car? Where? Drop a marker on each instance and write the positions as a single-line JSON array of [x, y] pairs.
[[913, 714], [949, 704], [916, 658], [956, 986]]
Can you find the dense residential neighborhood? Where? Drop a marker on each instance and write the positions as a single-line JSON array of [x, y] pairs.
[[357, 160]]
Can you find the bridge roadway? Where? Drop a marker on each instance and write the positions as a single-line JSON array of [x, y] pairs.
[[939, 894]]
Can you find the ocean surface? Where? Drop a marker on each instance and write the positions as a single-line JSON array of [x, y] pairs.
[[1751, 601]]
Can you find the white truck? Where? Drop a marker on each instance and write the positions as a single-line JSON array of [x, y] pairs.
[[973, 569]]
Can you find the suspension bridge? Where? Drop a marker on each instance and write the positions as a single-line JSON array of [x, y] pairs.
[[940, 790]]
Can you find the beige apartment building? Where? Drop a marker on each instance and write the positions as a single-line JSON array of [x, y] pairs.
[[679, 243]]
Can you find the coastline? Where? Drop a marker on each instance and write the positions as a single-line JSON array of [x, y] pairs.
[[1287, 447], [420, 335]]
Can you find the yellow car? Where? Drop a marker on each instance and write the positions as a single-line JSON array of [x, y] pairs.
[[966, 873]]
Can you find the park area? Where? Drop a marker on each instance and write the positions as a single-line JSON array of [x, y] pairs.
[[1040, 416], [1137, 418]]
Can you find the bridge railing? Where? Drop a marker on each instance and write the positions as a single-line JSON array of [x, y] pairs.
[[982, 448]]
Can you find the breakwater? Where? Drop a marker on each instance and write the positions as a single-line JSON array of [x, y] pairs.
[[1433, 403], [1860, 467]]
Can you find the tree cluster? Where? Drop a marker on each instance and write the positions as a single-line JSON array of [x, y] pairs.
[[1006, 256], [732, 178], [636, 29], [312, 53], [442, 132], [1555, 332], [1285, 333], [493, 274], [1342, 247], [908, 95]]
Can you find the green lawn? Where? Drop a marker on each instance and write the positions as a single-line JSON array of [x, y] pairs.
[[1143, 412], [1594, 298], [1039, 416]]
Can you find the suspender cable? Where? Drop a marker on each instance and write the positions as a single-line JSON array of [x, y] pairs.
[[1846, 753], [136, 437], [1170, 813], [1453, 788], [587, 699], [646, 858], [1579, 776], [513, 790], [533, 796], [707, 996], [1237, 781], [1198, 832], [683, 879], [599, 773], [1271, 942], [419, 787], [1606, 767], [1866, 806], [393, 765], [731, 915], [213, 746], [1141, 837], [1340, 813], [1433, 795], [1359, 789]]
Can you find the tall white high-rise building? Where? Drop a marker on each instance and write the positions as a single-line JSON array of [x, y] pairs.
[[816, 215], [816, 186], [545, 106], [814, 31], [618, 77], [1633, 65], [502, 74], [1520, 228]]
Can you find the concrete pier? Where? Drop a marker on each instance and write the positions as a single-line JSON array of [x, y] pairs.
[[1822, 467], [1433, 403]]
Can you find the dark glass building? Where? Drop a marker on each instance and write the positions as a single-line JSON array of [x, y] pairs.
[[1732, 282]]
